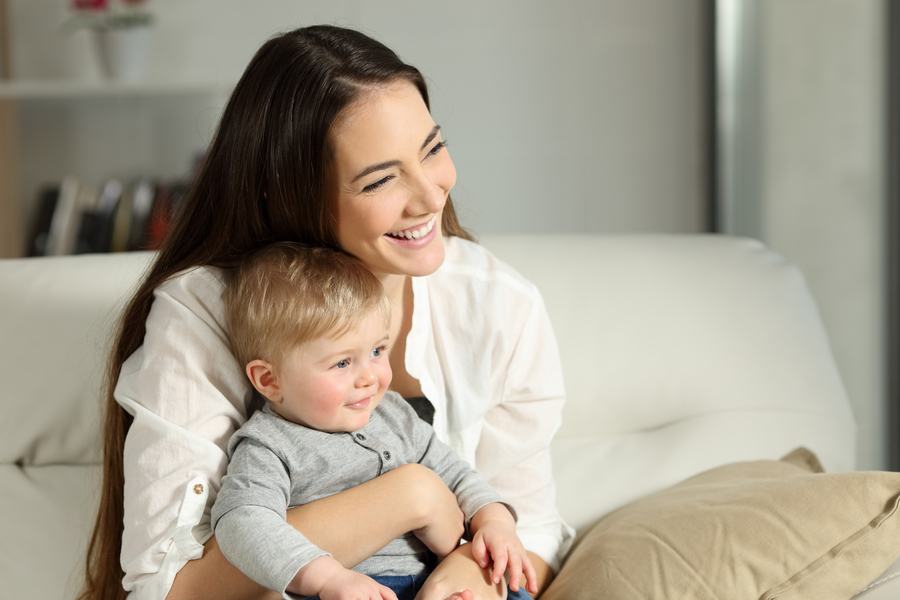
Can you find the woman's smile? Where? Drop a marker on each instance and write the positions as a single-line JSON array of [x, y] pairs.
[[414, 233], [391, 176]]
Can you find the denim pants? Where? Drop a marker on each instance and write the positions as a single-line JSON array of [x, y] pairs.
[[407, 586]]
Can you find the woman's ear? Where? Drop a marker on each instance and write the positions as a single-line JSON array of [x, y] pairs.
[[262, 376]]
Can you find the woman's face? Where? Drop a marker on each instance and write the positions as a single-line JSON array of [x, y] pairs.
[[391, 176]]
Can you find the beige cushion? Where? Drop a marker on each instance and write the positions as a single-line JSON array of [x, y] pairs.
[[767, 529]]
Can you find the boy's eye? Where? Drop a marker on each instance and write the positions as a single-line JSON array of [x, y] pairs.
[[343, 364], [378, 351]]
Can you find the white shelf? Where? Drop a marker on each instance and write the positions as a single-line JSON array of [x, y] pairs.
[[60, 89]]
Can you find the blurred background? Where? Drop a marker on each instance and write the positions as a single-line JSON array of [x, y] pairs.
[[762, 118]]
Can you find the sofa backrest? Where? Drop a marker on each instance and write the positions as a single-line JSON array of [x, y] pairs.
[[680, 353]]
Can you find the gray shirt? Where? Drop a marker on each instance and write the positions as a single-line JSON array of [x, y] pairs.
[[276, 464]]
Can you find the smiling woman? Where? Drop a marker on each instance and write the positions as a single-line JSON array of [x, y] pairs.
[[391, 177], [327, 141]]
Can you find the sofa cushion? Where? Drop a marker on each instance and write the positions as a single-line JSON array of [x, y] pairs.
[[766, 529], [57, 324], [48, 514]]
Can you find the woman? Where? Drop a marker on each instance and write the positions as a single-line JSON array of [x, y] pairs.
[[327, 140]]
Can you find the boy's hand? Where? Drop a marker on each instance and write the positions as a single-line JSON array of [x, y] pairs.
[[350, 585], [329, 580], [495, 538]]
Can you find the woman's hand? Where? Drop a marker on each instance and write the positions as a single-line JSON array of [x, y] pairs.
[[458, 577]]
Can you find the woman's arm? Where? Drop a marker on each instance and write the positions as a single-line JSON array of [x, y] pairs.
[[351, 525]]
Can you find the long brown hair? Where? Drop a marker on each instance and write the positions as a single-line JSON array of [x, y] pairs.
[[262, 181]]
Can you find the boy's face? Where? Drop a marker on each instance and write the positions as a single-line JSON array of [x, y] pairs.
[[334, 383]]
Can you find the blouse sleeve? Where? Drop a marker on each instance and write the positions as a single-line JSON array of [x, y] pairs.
[[523, 424], [187, 395]]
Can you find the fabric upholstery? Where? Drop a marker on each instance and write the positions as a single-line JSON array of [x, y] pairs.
[[765, 529]]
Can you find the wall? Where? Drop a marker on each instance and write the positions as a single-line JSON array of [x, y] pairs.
[[566, 116], [822, 175]]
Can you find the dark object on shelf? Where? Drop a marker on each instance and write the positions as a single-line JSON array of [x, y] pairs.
[[96, 227], [40, 230]]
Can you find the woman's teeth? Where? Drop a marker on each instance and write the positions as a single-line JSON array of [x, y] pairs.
[[414, 234]]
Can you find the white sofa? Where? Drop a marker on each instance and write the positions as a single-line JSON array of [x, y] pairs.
[[680, 353]]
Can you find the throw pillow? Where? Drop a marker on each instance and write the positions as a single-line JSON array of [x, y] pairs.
[[762, 530]]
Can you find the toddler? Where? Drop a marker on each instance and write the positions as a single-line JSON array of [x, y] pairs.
[[310, 325]]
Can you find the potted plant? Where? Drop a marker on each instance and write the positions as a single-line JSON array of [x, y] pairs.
[[122, 32]]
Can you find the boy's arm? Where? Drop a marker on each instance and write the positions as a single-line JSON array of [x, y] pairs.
[[249, 518]]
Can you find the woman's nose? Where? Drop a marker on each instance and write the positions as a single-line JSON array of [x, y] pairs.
[[430, 195]]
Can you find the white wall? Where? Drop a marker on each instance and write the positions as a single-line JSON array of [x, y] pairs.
[[575, 115], [823, 180]]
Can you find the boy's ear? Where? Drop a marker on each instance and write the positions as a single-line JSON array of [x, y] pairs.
[[263, 378]]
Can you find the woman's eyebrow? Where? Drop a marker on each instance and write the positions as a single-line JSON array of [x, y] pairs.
[[431, 136], [393, 163]]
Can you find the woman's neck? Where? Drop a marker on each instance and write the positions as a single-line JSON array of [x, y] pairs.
[[399, 291], [395, 288]]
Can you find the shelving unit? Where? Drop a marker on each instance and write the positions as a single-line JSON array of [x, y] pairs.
[[50, 129]]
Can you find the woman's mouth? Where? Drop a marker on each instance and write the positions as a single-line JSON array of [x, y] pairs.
[[414, 233]]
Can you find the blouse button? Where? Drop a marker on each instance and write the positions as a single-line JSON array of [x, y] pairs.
[[386, 455], [198, 489], [360, 436]]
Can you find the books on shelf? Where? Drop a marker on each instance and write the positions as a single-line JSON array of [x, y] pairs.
[[75, 218]]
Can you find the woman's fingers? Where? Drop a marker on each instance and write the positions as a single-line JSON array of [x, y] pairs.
[[463, 595]]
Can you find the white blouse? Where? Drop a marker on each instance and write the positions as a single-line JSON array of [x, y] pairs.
[[481, 346]]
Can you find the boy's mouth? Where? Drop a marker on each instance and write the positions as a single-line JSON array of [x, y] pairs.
[[361, 404]]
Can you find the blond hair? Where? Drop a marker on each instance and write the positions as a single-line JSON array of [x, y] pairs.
[[287, 294]]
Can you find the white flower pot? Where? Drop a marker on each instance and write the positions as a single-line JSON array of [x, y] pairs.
[[124, 52]]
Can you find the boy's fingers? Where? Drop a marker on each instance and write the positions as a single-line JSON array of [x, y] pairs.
[[387, 593], [515, 572], [499, 559], [479, 551], [530, 575]]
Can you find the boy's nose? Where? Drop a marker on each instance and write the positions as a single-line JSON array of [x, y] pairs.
[[366, 378]]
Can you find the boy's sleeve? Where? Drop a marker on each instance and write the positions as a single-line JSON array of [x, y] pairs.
[[472, 490], [249, 518]]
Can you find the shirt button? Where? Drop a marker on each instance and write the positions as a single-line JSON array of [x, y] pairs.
[[360, 436], [198, 489], [386, 455]]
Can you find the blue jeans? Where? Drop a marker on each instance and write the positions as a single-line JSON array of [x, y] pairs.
[[407, 586]]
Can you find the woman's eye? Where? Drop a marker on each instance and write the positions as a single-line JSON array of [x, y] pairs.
[[378, 184], [437, 148], [342, 364]]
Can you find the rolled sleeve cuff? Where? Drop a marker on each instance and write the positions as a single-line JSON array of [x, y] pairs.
[[187, 544]]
